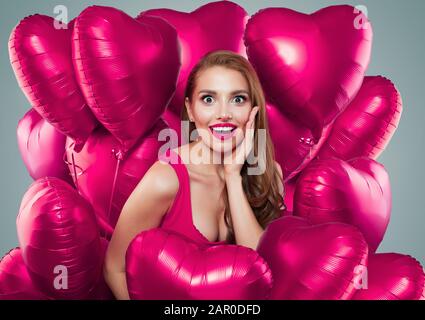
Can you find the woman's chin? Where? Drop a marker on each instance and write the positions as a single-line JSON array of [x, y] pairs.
[[219, 146]]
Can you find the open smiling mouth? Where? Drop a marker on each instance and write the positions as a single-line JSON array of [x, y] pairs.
[[223, 132]]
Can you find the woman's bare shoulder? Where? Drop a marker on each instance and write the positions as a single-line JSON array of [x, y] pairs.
[[161, 178]]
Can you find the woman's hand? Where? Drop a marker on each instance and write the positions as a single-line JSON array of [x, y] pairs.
[[233, 161]]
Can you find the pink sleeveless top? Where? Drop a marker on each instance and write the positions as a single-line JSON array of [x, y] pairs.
[[179, 216]]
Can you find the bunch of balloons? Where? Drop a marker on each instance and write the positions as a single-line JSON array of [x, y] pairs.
[[102, 89]]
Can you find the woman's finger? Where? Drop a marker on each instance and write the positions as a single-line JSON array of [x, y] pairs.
[[253, 113]]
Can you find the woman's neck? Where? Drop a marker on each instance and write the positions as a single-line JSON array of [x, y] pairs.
[[206, 160]]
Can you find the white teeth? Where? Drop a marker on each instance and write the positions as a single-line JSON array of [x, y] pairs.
[[222, 129]]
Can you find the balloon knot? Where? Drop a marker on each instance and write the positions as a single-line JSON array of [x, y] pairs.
[[119, 154], [308, 141]]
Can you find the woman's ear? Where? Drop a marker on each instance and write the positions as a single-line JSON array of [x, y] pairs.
[[188, 109]]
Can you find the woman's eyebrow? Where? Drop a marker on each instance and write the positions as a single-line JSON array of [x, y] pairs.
[[232, 93]]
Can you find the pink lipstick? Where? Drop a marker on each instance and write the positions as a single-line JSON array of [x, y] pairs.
[[223, 131]]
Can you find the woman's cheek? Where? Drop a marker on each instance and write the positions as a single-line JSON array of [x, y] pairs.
[[204, 118]]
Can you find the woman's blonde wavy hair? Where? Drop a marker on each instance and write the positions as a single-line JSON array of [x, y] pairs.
[[262, 190]]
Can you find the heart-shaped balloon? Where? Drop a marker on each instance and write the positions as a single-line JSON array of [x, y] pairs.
[[40, 55], [356, 192], [294, 143], [41, 147], [289, 190], [366, 126], [59, 239], [215, 26], [165, 265], [127, 69], [310, 66], [100, 173], [312, 262], [392, 276], [15, 282]]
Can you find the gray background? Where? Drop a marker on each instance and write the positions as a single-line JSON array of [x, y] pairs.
[[398, 53]]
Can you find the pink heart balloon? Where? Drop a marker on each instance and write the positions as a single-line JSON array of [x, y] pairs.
[[392, 276], [59, 239], [40, 55], [367, 124], [15, 282], [312, 262], [215, 26], [311, 66], [126, 68], [294, 143], [356, 192], [97, 167], [289, 190], [42, 147], [165, 265]]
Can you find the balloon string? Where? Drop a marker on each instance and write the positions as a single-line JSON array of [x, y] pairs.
[[309, 142], [74, 167], [118, 156]]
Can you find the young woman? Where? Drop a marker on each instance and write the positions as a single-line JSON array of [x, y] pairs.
[[209, 195]]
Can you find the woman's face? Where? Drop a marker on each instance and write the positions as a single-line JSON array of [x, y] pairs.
[[220, 98]]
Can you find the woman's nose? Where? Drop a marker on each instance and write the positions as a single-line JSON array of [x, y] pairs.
[[223, 112], [224, 116]]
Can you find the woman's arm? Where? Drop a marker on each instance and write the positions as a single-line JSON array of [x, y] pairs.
[[143, 210], [246, 227]]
